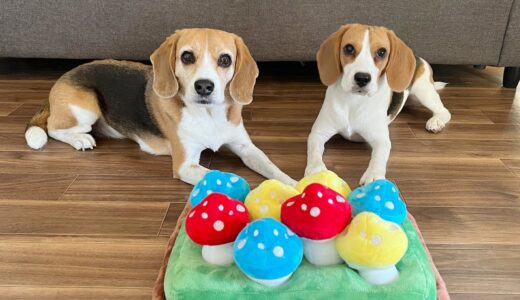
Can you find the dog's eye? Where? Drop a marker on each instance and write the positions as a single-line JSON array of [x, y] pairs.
[[349, 49], [224, 61], [381, 52], [187, 58]]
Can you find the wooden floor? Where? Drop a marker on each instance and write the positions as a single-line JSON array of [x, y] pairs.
[[94, 224]]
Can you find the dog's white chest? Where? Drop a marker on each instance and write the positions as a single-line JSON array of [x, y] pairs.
[[206, 127]]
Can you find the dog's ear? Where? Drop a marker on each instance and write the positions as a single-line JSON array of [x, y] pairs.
[[163, 63], [401, 64], [328, 56], [246, 72]]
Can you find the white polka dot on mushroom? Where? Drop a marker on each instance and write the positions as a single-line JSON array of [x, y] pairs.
[[221, 207], [275, 232], [376, 240], [229, 185], [191, 214], [241, 244], [255, 233], [340, 199], [261, 246], [219, 182], [209, 192], [278, 251], [195, 193], [377, 187], [320, 194], [264, 209], [218, 225], [290, 203], [289, 232], [377, 198], [393, 189], [204, 215], [205, 203], [240, 208], [230, 213], [360, 195], [204, 182], [303, 195], [315, 211], [233, 179], [257, 200], [389, 205], [330, 201], [304, 207], [273, 194], [363, 234]]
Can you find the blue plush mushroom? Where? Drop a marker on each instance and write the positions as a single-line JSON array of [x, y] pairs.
[[225, 183], [268, 252], [380, 197]]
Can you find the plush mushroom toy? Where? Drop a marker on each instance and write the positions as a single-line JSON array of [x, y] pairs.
[[373, 247], [266, 200], [317, 215], [215, 224], [216, 181], [268, 252], [326, 178], [380, 197]]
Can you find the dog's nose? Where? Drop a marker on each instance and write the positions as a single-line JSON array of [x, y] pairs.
[[362, 79], [204, 87]]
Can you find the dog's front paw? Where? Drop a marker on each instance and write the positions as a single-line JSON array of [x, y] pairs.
[[315, 168], [436, 123], [370, 175]]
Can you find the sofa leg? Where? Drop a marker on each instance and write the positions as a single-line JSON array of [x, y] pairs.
[[511, 77]]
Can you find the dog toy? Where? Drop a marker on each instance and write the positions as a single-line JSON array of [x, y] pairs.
[[215, 224], [268, 252], [317, 215], [266, 200], [373, 247], [326, 178], [215, 181], [380, 197]]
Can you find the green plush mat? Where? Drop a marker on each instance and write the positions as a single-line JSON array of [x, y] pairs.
[[188, 276]]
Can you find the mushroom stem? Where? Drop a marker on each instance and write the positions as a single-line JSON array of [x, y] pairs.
[[271, 282], [321, 252], [379, 276], [221, 255]]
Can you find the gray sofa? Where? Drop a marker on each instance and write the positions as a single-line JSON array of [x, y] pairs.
[[442, 31]]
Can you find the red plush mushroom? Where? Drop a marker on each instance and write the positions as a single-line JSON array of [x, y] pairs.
[[214, 224], [317, 215]]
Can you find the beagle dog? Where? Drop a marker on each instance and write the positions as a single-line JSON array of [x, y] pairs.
[[189, 100], [370, 73]]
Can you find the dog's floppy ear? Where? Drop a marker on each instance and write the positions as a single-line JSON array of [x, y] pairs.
[[401, 64], [328, 56], [163, 63], [244, 78]]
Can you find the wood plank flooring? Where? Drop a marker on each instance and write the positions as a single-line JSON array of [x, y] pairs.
[[94, 224]]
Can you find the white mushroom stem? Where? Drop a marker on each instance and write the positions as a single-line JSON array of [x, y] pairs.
[[321, 252], [379, 276], [221, 255], [271, 282]]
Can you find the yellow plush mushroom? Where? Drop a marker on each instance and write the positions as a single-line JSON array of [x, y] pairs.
[[326, 178], [373, 247], [266, 199]]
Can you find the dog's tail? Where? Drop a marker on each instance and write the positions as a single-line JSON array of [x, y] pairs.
[[36, 130], [439, 85]]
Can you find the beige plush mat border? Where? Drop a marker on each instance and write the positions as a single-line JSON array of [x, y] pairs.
[[158, 290]]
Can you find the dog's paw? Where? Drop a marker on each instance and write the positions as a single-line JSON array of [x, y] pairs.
[[315, 168], [436, 123], [371, 175], [82, 141]]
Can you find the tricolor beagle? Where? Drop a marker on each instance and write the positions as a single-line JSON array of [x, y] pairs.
[[369, 72], [189, 100]]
